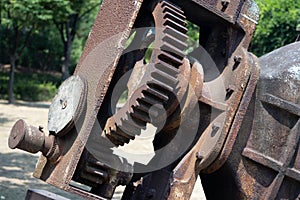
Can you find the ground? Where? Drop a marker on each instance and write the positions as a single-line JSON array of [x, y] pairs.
[[17, 166]]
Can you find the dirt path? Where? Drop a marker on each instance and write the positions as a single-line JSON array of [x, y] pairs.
[[16, 166]]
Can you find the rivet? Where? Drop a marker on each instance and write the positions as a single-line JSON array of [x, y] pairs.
[[200, 156]]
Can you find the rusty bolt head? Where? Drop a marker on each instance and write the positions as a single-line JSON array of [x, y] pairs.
[[26, 137], [237, 59], [17, 134]]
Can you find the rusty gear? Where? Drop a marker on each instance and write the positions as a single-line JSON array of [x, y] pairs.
[[160, 81]]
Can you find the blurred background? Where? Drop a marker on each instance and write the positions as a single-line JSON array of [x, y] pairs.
[[42, 40], [40, 44]]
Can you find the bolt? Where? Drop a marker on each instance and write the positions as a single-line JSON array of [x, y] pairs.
[[237, 59], [225, 4], [63, 103], [215, 127], [31, 139]]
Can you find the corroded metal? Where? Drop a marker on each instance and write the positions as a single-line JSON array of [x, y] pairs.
[[264, 162], [212, 117], [33, 140], [108, 41], [162, 79], [274, 142]]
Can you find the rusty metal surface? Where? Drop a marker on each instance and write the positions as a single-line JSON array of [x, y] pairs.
[[32, 139], [26, 137], [163, 79], [202, 104], [264, 162], [185, 174], [102, 177], [228, 10], [238, 119], [108, 41], [274, 141]]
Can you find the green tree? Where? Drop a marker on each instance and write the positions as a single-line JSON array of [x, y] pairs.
[[277, 25], [44, 51], [19, 20], [68, 16]]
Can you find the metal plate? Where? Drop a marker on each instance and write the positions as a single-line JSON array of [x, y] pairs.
[[67, 105], [273, 146], [98, 61]]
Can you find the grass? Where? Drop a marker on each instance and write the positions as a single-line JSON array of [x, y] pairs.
[[30, 86]]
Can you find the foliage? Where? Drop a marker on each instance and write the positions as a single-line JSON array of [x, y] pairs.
[[193, 39], [277, 25], [19, 19], [44, 51], [67, 19], [35, 31], [31, 32], [30, 87]]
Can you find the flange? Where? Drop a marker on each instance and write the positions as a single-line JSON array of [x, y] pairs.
[[67, 106]]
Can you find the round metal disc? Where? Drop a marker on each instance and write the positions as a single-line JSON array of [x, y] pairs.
[[17, 134], [67, 105]]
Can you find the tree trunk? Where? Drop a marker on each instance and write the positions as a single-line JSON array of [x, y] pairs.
[[66, 61], [11, 97]]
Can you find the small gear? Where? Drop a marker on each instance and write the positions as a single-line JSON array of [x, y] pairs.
[[159, 89]]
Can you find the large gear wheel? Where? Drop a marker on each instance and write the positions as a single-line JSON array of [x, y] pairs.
[[159, 88]]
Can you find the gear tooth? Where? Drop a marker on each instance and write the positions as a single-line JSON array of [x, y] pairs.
[[110, 126], [137, 124], [151, 99], [175, 33], [123, 134], [169, 48], [165, 67], [168, 80], [140, 115], [163, 80], [173, 8], [115, 140], [126, 119], [158, 93], [175, 18], [121, 139], [175, 25], [175, 42], [168, 58], [131, 127], [143, 106], [113, 128], [161, 85]]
